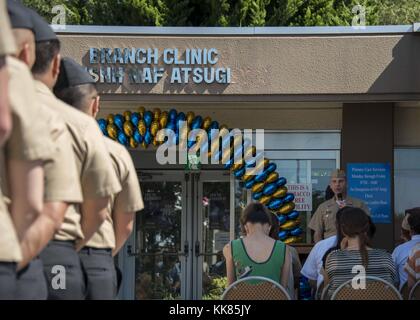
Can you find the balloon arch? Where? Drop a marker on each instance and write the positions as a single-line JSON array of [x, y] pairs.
[[141, 128]]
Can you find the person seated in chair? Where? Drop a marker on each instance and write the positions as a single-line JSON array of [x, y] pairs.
[[257, 254], [356, 251], [402, 252]]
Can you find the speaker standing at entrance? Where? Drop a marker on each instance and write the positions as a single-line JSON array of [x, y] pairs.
[[76, 87]]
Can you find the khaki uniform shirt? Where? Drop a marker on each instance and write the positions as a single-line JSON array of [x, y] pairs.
[[129, 199], [9, 244], [93, 162], [323, 220], [7, 42], [30, 140], [31, 135]]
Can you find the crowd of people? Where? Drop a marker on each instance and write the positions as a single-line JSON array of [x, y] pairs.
[[343, 230], [68, 194]]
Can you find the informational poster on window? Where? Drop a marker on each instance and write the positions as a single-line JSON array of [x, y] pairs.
[[371, 183], [303, 196]]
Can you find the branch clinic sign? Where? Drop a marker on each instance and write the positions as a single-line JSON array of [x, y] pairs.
[[371, 182], [150, 65]]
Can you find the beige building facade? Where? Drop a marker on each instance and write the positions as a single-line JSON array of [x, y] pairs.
[[327, 97]]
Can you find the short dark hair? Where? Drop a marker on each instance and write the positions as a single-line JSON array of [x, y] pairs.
[[76, 95], [414, 222], [45, 52], [255, 213]]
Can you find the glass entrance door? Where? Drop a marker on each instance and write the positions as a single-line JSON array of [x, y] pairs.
[[175, 251]]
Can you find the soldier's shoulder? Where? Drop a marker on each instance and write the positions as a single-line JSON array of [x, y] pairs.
[[117, 150]]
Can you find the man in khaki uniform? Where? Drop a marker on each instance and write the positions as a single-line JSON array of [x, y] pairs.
[[21, 165], [97, 177], [60, 172], [323, 220], [76, 87], [9, 246]]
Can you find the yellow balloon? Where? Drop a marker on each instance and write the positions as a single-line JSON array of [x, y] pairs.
[[163, 121], [273, 176], [190, 117], [154, 128], [289, 224], [142, 127], [237, 166], [128, 128], [258, 187], [292, 240], [247, 177], [144, 145], [249, 152], [127, 115], [141, 110], [112, 131], [265, 200], [110, 118], [280, 192], [156, 114], [155, 142], [287, 208], [133, 143], [206, 123]]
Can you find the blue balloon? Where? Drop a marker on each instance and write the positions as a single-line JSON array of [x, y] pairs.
[[281, 182], [275, 204], [190, 143], [135, 118], [197, 122], [281, 219], [181, 117], [102, 124], [228, 164], [214, 125], [293, 215], [296, 232], [257, 196], [261, 177], [119, 121], [269, 189], [270, 168], [148, 118], [239, 173], [283, 235], [250, 183], [289, 197], [148, 137], [137, 137], [172, 115], [171, 126], [122, 138]]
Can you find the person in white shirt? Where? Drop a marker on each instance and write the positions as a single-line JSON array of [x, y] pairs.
[[313, 264], [402, 252]]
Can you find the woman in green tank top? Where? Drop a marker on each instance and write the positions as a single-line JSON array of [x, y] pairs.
[[257, 254]]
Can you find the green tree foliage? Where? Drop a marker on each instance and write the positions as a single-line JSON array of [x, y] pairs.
[[230, 12]]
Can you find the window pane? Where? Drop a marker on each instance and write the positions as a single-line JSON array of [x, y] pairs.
[[406, 184]]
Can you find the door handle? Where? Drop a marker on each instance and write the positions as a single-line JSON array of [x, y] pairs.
[[136, 253], [197, 249]]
